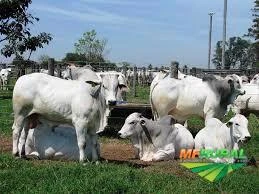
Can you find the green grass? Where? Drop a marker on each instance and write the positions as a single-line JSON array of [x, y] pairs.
[[19, 176], [6, 117], [142, 95]]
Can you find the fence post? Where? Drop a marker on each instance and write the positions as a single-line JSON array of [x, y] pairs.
[[51, 66], [174, 70], [59, 70], [134, 81]]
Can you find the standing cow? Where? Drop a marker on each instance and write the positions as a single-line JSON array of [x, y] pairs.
[[206, 98], [5, 76], [77, 103]]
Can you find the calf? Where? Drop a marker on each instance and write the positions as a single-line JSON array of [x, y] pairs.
[[156, 140]]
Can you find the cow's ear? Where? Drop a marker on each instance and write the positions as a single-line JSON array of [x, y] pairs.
[[230, 81], [142, 122], [229, 123]]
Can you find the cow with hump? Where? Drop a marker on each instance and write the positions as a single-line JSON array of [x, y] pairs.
[[207, 97], [217, 135], [156, 140], [79, 103]]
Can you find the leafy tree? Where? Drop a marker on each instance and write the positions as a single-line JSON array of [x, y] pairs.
[[253, 32], [239, 53], [91, 46], [14, 29], [150, 67], [74, 57]]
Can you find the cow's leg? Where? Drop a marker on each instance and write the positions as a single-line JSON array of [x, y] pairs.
[[81, 140], [168, 153], [17, 128], [23, 137]]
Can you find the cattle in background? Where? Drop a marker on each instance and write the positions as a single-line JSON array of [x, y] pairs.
[[47, 72], [255, 79], [5, 76], [182, 99], [59, 143], [218, 135], [249, 102], [79, 103], [156, 140]]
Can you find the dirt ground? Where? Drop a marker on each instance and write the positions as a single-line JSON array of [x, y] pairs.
[[118, 152]]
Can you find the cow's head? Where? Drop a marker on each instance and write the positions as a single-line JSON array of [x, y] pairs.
[[112, 85], [235, 83], [255, 79], [130, 127], [239, 128], [244, 79]]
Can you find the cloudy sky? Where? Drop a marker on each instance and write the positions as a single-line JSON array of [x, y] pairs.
[[140, 31]]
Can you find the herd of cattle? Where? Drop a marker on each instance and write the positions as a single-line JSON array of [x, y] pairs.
[[58, 118]]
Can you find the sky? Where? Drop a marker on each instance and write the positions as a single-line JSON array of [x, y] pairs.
[[141, 32]]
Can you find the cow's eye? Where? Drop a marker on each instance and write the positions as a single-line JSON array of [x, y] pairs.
[[238, 82], [132, 123], [237, 124]]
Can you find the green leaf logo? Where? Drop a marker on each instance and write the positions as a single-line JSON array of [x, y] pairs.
[[212, 171]]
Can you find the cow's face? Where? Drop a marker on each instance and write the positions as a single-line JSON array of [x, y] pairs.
[[111, 85], [235, 83], [239, 128], [255, 79], [129, 127]]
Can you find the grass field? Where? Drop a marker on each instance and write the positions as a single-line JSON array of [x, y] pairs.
[[21, 176]]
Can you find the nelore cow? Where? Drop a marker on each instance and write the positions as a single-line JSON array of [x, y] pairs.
[[217, 135], [59, 143], [79, 103], [5, 76], [249, 102], [156, 140], [207, 97]]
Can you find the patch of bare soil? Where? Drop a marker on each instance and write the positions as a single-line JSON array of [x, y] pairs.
[[5, 144]]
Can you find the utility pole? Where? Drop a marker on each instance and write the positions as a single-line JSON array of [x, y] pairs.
[[210, 31], [224, 33]]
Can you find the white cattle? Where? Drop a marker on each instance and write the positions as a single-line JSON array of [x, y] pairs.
[[249, 102], [156, 140], [255, 79], [5, 76], [47, 72], [218, 135], [59, 143], [206, 98], [78, 103]]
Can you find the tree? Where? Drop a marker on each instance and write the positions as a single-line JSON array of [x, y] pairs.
[[239, 53], [253, 32], [14, 29], [150, 67], [92, 47]]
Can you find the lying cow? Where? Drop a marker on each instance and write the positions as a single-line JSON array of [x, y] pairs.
[[79, 103], [218, 135], [206, 98], [59, 143], [156, 140]]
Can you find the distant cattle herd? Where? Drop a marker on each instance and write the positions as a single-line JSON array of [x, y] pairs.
[[59, 118]]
